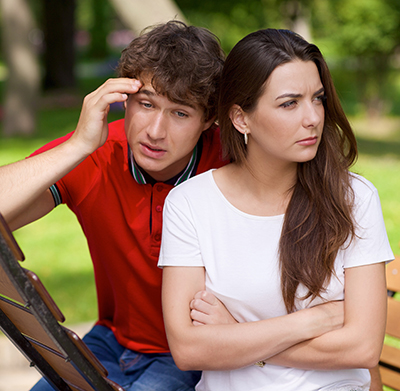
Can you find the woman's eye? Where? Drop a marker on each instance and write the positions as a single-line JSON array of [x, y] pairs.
[[321, 98], [290, 103]]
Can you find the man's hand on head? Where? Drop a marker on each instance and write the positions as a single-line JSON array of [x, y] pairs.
[[92, 129]]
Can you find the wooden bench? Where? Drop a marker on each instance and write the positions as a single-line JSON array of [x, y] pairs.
[[390, 357], [31, 320]]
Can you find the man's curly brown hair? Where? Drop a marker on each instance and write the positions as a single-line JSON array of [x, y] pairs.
[[183, 62]]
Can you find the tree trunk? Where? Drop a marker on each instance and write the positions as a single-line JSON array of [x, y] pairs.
[[298, 17], [23, 82], [59, 32], [139, 14]]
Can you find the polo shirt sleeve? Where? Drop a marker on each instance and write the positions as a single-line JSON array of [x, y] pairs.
[[54, 189], [371, 244], [180, 244]]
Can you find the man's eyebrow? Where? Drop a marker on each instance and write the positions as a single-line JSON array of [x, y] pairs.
[[152, 93], [293, 95], [146, 92]]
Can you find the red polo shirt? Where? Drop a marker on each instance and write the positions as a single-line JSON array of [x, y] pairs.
[[122, 220]]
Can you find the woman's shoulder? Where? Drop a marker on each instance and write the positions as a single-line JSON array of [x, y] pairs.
[[362, 187], [194, 186], [360, 183]]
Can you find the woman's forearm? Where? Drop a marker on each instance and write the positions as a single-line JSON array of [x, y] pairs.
[[358, 344], [226, 347]]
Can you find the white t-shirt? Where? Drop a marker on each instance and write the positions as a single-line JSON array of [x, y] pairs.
[[239, 254]]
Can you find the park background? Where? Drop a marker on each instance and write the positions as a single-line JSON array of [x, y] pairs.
[[55, 52]]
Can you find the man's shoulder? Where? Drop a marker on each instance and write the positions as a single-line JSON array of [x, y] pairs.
[[211, 156], [116, 130], [116, 133], [211, 137]]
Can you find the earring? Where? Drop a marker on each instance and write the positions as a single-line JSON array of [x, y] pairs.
[[245, 138]]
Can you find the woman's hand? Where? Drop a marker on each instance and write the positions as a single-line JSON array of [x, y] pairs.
[[205, 308]]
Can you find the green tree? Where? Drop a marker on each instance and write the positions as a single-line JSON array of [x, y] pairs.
[[366, 35], [23, 79], [231, 20]]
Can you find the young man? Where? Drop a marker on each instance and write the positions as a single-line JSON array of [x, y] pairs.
[[115, 178]]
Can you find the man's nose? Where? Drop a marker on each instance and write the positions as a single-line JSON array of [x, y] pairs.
[[157, 128]]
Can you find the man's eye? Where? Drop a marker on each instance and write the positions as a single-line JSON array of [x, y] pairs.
[[180, 114], [147, 105]]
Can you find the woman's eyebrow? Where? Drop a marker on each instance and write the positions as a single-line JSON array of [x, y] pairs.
[[293, 95], [289, 95]]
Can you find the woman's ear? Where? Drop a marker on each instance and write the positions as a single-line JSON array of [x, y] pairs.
[[238, 118]]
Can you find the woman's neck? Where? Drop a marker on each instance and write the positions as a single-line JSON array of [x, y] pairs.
[[255, 189]]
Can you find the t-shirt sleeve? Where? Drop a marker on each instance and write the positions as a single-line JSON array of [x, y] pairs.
[[371, 244], [180, 244]]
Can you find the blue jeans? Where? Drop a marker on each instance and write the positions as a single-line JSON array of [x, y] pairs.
[[131, 370]]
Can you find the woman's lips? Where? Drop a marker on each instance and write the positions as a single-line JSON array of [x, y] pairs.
[[308, 141]]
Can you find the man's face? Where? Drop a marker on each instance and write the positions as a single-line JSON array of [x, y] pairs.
[[162, 134]]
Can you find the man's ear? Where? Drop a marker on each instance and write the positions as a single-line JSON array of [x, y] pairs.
[[208, 123], [239, 119]]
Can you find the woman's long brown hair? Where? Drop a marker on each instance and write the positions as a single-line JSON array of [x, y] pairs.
[[318, 220]]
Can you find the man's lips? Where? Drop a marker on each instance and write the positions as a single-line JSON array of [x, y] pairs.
[[152, 150]]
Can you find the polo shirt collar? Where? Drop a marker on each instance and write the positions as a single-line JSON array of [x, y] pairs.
[[188, 172]]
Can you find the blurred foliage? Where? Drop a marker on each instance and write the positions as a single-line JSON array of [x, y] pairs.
[[359, 39], [365, 37], [231, 20]]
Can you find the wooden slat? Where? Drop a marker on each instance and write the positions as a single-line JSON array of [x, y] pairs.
[[86, 352], [65, 369], [390, 378], [27, 324], [390, 355], [8, 289], [10, 240], [393, 318], [393, 275], [115, 386], [42, 291]]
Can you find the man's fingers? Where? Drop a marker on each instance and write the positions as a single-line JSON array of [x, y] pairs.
[[113, 90], [121, 85]]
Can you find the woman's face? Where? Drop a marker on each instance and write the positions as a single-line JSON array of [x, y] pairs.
[[287, 124]]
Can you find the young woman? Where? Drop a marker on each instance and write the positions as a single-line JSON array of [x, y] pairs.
[[278, 232]]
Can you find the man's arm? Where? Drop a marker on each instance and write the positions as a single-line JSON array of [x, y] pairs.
[[24, 194]]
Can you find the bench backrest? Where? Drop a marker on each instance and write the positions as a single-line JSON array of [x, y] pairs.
[[390, 357], [32, 321]]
